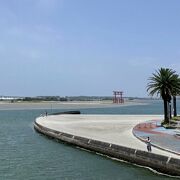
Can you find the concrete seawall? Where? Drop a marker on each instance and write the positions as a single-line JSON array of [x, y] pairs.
[[164, 164]]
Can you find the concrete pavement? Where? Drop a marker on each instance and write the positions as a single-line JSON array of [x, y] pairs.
[[116, 129]]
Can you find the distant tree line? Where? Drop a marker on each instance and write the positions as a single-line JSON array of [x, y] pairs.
[[66, 98], [45, 98], [89, 98]]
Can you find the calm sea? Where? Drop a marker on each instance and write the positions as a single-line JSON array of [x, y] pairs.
[[28, 155]]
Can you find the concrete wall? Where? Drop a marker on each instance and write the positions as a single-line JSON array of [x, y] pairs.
[[160, 163], [66, 112]]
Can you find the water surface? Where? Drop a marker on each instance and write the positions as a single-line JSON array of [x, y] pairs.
[[26, 154]]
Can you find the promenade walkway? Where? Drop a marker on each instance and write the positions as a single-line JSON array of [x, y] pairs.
[[116, 129], [168, 139]]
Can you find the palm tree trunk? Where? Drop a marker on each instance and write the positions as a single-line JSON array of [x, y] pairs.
[[170, 112], [166, 117], [174, 106]]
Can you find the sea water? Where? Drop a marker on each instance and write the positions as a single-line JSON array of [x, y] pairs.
[[28, 155]]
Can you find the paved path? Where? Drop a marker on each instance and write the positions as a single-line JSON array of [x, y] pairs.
[[115, 129], [160, 136]]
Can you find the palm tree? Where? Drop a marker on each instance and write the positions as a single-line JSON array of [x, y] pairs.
[[162, 83], [174, 94]]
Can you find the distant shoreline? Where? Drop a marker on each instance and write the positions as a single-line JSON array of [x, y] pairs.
[[65, 105]]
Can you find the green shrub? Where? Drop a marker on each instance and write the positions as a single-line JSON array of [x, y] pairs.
[[177, 118]]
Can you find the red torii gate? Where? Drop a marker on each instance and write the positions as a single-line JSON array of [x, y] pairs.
[[118, 97]]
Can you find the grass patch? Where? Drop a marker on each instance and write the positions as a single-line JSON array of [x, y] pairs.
[[171, 125], [177, 118]]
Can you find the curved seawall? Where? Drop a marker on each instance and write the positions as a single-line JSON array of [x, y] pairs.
[[161, 163]]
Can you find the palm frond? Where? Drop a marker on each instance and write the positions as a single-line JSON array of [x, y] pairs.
[[164, 82]]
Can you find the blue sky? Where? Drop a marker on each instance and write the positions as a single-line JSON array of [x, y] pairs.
[[86, 47]]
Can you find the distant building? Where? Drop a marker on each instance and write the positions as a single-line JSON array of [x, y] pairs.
[[9, 98]]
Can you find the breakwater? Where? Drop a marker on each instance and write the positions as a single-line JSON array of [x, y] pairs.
[[160, 163]]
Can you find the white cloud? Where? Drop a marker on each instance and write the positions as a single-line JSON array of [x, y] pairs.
[[30, 44], [38, 34], [49, 5], [143, 62], [7, 16], [152, 64]]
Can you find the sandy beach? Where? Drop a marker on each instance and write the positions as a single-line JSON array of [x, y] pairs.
[[64, 105]]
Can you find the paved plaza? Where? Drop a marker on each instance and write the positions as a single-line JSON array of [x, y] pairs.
[[168, 139]]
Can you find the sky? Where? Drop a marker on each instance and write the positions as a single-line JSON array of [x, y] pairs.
[[86, 47]]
